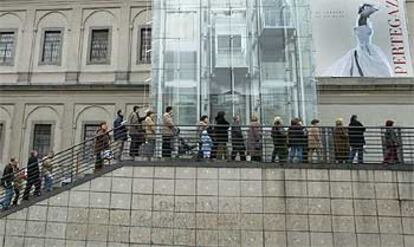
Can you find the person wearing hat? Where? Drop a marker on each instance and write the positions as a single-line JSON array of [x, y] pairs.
[[314, 141]]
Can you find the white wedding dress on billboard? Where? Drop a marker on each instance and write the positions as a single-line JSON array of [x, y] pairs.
[[367, 59]]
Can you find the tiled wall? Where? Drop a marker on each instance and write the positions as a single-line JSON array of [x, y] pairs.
[[146, 206]]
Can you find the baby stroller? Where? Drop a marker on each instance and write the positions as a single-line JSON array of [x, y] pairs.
[[184, 148]]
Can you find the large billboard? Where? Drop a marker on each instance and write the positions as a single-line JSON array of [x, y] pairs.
[[361, 38]]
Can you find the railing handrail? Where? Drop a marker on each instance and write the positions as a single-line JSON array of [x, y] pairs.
[[60, 153], [79, 159], [284, 126], [88, 140]]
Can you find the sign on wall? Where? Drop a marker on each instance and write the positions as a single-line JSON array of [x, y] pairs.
[[361, 38]]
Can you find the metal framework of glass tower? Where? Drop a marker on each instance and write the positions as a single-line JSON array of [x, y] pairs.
[[244, 57]]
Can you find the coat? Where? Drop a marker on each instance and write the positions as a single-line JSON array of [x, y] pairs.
[[391, 139], [297, 136], [47, 167], [33, 171], [279, 137], [237, 138], [254, 138], [120, 131], [19, 177], [356, 134], [149, 128], [341, 142], [8, 177], [314, 138], [206, 143], [221, 135], [169, 127], [135, 122], [102, 141]]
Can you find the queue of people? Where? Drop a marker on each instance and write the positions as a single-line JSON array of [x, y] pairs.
[[291, 144], [14, 177], [295, 143]]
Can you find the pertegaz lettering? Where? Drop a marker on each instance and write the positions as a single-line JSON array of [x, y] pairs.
[[398, 46]]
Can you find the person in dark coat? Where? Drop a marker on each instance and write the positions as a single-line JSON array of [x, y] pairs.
[[136, 132], [101, 145], [391, 144], [7, 183], [280, 142], [237, 140], [356, 132], [220, 136], [297, 141], [33, 176], [120, 134]]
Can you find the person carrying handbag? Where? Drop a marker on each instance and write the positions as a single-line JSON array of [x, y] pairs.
[[101, 145]]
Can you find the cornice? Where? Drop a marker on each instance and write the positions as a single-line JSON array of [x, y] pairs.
[[71, 87], [365, 84]]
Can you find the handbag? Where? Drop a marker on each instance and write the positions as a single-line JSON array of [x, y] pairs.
[[107, 154]]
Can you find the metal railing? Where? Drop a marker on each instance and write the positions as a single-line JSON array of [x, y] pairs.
[[68, 166], [280, 145], [259, 144]]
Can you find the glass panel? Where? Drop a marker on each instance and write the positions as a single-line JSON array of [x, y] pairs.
[[99, 46], [242, 57], [6, 47], [42, 139], [51, 47]]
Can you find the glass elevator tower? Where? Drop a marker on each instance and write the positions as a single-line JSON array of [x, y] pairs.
[[244, 57]]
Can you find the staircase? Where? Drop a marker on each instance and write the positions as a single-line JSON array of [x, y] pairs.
[[71, 167]]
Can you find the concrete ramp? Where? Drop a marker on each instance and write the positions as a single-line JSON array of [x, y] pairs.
[[141, 206]]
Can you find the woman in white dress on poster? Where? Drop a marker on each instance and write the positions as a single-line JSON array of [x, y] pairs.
[[367, 59]]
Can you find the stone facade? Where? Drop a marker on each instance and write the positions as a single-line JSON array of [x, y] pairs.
[[167, 206], [374, 100], [72, 93]]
